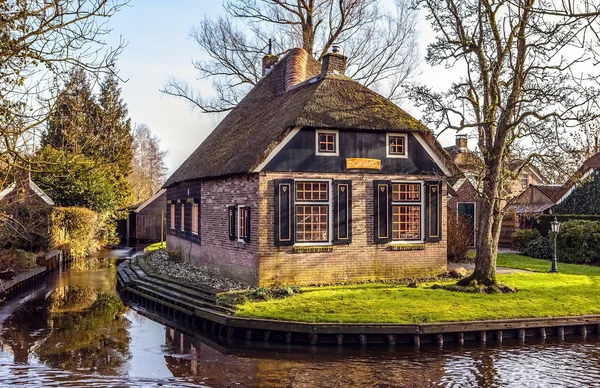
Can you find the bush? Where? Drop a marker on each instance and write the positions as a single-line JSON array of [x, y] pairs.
[[16, 260], [74, 230], [459, 236], [523, 237], [579, 241], [539, 248]]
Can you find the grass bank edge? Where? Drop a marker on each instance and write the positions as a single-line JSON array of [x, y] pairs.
[[572, 292]]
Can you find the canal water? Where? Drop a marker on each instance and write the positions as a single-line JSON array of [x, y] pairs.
[[76, 332]]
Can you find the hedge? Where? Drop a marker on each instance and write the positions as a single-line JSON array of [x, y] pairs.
[[74, 229], [584, 199], [542, 222]]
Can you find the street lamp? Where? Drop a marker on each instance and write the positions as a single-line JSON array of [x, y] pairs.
[[555, 225]]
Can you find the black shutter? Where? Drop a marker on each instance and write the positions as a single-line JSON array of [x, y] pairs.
[[382, 211], [284, 212], [433, 211], [247, 218], [342, 212], [231, 215]]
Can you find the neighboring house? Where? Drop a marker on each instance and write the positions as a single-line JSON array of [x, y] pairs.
[[145, 221], [533, 201], [23, 192], [27, 209], [312, 178], [467, 201], [579, 194]]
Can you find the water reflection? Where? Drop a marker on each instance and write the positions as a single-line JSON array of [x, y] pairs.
[[77, 332], [76, 329]]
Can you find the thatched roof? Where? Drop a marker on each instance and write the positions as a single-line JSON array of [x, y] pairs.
[[294, 93]]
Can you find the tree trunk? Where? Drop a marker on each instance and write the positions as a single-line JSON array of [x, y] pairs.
[[488, 233]]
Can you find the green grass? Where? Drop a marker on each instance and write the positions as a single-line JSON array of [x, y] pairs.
[[574, 291], [155, 246]]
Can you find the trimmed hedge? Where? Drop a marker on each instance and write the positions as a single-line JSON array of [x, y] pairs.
[[585, 199], [542, 222], [579, 241], [539, 248], [523, 237]]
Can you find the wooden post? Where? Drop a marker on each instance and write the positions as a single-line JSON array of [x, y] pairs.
[[460, 338], [482, 336], [522, 335], [266, 335], [439, 339], [362, 338], [391, 339], [542, 332], [499, 335], [248, 334], [288, 337], [583, 331], [339, 339], [417, 340], [314, 338], [560, 332]]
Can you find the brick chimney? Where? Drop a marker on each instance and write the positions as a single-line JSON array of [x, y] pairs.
[[461, 142], [333, 62], [269, 60]]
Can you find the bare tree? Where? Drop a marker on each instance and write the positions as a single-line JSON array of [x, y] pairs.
[[380, 45], [524, 78], [148, 168], [40, 41]]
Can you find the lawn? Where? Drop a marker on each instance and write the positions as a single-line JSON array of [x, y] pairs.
[[155, 246], [573, 291]]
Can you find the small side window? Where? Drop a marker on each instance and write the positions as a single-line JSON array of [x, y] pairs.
[[396, 145], [327, 143]]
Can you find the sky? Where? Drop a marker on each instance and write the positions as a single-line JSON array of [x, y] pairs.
[[158, 48]]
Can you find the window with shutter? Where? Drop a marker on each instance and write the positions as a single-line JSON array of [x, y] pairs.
[[342, 212], [433, 210], [284, 212], [382, 211], [407, 211]]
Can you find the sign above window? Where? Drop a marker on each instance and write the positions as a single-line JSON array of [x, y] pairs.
[[363, 164]]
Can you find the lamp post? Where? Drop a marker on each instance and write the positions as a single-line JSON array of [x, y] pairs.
[[555, 225]]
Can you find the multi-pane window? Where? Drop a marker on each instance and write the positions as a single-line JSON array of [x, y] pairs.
[[182, 218], [312, 211], [195, 218], [172, 216], [406, 211], [396, 145], [327, 142], [242, 224]]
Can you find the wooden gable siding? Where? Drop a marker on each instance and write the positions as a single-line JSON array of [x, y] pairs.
[[300, 154]]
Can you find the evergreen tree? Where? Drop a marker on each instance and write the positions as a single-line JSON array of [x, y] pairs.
[[72, 123]]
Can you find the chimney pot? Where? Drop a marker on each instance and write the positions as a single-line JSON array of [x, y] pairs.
[[461, 142]]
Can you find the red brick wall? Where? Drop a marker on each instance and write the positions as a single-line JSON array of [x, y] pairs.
[[215, 251], [361, 260]]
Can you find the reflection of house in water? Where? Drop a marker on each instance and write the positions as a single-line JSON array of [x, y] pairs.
[[264, 365]]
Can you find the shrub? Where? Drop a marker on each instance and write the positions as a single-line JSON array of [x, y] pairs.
[[579, 241], [522, 237], [16, 260], [540, 248], [459, 236], [74, 230]]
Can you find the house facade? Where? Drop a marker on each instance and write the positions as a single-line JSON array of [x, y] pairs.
[[467, 202], [312, 179]]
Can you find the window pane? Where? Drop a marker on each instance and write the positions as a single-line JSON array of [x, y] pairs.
[[312, 223], [242, 222], [311, 191], [327, 142], [406, 222], [396, 145], [182, 217], [195, 218], [172, 216], [406, 192]]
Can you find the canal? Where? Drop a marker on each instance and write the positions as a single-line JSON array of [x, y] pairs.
[[75, 332]]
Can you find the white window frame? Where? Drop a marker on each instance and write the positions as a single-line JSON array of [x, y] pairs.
[[238, 225], [401, 203], [196, 213], [337, 142], [387, 145], [182, 220], [329, 212], [172, 221]]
